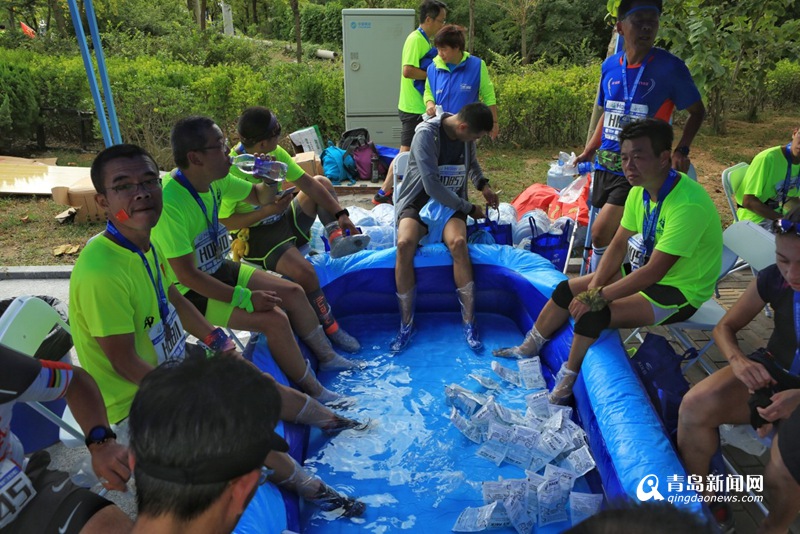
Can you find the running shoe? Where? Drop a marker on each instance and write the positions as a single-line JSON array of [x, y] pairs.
[[382, 199]]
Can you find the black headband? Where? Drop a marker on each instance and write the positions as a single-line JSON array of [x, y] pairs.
[[272, 129], [216, 469]]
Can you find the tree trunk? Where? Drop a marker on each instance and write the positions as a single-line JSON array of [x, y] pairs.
[[58, 15], [523, 30], [203, 8], [255, 11], [298, 41], [471, 25]]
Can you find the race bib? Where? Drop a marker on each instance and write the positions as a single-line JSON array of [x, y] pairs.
[[169, 338], [637, 253], [615, 118], [453, 177], [16, 491], [209, 252]]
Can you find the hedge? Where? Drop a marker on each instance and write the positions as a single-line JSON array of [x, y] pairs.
[[549, 106]]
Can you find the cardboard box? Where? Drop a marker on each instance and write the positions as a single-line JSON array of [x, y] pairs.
[[308, 140], [81, 196], [309, 162]]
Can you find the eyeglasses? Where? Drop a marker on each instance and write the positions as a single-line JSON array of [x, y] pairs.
[[785, 226], [222, 145], [264, 475], [443, 21], [148, 186]]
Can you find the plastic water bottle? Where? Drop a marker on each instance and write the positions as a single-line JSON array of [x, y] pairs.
[[376, 177], [585, 167], [84, 475], [317, 230]]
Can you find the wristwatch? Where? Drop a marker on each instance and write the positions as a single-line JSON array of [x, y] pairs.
[[99, 434], [683, 150]]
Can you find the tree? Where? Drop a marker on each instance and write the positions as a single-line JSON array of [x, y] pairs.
[[729, 47], [297, 37], [519, 10]]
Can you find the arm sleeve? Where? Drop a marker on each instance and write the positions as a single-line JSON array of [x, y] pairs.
[[486, 89], [51, 383]]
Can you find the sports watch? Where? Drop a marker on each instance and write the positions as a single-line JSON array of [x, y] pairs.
[[683, 149], [99, 434]]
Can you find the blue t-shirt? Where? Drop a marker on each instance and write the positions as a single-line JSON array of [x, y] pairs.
[[665, 84]]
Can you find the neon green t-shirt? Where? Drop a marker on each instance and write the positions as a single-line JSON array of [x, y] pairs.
[[230, 206], [110, 293], [414, 49], [183, 228], [688, 226], [765, 180]]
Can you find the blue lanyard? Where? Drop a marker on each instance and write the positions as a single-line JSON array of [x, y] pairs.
[[787, 152], [629, 97], [651, 218], [161, 295], [795, 368], [212, 224]]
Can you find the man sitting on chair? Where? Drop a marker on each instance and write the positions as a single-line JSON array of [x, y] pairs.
[[671, 269], [442, 158], [771, 186], [57, 504]]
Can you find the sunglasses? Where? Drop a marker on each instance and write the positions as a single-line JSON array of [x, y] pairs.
[[785, 226]]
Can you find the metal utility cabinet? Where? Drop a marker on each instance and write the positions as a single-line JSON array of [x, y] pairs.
[[373, 46]]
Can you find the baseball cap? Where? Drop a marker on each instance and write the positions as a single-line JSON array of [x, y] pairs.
[[626, 7]]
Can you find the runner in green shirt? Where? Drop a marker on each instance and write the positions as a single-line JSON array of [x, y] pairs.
[[273, 238], [772, 184], [226, 292], [672, 264], [125, 322]]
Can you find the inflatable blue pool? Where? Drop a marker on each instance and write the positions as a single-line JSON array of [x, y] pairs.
[[625, 436]]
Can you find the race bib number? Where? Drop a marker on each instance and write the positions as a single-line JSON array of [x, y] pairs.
[[453, 177], [637, 253], [16, 491], [615, 118], [169, 338], [211, 250]]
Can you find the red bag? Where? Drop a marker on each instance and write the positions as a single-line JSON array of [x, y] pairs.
[[544, 197]]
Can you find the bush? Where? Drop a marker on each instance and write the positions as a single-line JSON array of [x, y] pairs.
[[19, 107], [549, 107], [783, 84]]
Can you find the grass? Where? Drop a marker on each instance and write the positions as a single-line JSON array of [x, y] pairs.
[[29, 231]]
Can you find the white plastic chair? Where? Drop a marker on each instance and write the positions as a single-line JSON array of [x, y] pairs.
[[24, 325], [399, 168], [731, 181]]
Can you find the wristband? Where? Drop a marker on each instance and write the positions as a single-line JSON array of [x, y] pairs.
[[340, 213], [218, 341], [241, 298], [683, 149]]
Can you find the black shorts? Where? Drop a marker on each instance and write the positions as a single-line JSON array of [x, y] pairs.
[[788, 440], [412, 209], [409, 122], [669, 304], [228, 273], [59, 505], [268, 242], [609, 188]]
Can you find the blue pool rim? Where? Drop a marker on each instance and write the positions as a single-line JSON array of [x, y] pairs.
[[626, 437]]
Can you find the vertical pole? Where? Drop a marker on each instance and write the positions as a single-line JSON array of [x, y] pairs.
[[101, 67], [87, 64]]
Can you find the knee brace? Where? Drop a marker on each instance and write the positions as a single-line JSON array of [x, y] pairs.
[[591, 324], [562, 295]]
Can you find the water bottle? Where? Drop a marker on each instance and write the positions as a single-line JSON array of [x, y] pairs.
[[376, 177], [585, 167], [271, 172]]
